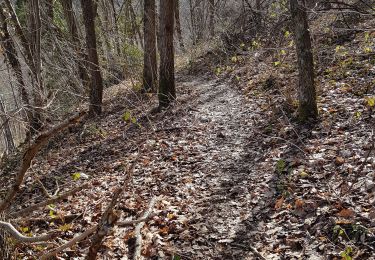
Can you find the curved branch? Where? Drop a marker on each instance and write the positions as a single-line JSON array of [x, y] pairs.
[[29, 155], [138, 228], [21, 238], [69, 244], [49, 201]]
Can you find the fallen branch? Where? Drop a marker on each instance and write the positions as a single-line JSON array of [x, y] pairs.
[[138, 228], [136, 221], [60, 220], [24, 239], [360, 169], [69, 244], [29, 155], [49, 201], [106, 223], [109, 217], [252, 249]]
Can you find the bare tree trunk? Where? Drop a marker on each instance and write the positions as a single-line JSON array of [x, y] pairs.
[[72, 25], [134, 24], [117, 31], [7, 132], [11, 56], [31, 47], [192, 22], [167, 89], [178, 24], [21, 35], [306, 92], [96, 81], [49, 10], [211, 11], [149, 34], [258, 15], [35, 47]]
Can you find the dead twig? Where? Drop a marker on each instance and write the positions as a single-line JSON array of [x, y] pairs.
[[24, 239], [135, 221], [49, 201], [108, 220], [252, 249], [69, 244], [109, 217], [138, 228], [29, 155], [360, 169]]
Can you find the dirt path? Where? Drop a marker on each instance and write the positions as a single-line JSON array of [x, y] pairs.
[[224, 193], [201, 159]]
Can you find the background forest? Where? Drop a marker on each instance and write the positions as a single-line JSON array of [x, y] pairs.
[[187, 129]]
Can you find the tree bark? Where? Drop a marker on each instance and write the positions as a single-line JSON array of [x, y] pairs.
[[76, 41], [135, 26], [11, 56], [178, 24], [7, 131], [96, 81], [149, 34], [49, 10], [35, 47], [306, 90], [167, 88], [211, 10]]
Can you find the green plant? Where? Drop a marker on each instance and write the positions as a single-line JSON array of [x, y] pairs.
[[280, 166], [346, 253]]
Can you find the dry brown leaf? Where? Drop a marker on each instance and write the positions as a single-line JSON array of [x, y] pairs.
[[279, 203], [339, 161], [299, 203], [346, 213]]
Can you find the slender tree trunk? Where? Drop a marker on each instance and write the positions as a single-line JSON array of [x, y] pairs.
[[178, 24], [192, 22], [11, 56], [167, 89], [258, 15], [149, 34], [199, 20], [49, 10], [7, 132], [35, 47], [134, 24], [76, 41], [96, 81], [117, 31], [21, 35], [306, 92], [211, 11]]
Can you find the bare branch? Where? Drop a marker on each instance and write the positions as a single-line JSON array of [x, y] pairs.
[[136, 221], [29, 155], [106, 223], [69, 244], [138, 235], [49, 201], [21, 238]]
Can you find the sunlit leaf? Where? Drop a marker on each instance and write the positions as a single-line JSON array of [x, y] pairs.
[[126, 117], [65, 227], [76, 176]]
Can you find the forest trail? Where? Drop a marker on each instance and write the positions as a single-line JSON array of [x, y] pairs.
[[227, 189], [199, 158], [216, 164]]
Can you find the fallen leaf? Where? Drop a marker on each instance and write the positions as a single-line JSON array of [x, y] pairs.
[[346, 213], [339, 161], [279, 203]]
